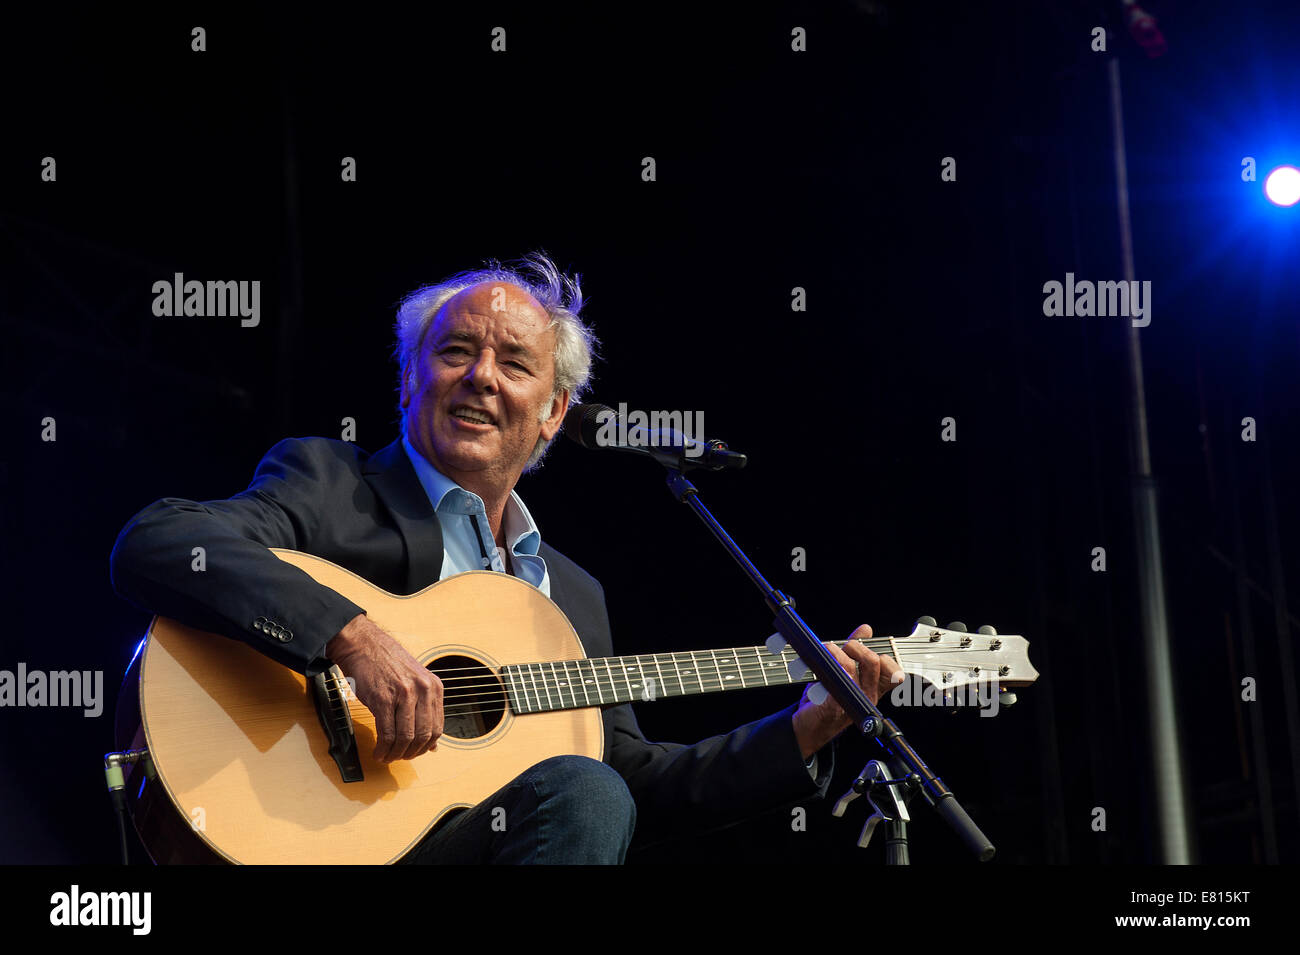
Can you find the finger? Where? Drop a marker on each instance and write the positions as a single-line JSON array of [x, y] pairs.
[[868, 663], [404, 723], [829, 709], [856, 641], [428, 717], [439, 712], [842, 657], [384, 732], [868, 669], [423, 727], [891, 674]]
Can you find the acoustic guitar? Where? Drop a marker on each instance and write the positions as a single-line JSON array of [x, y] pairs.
[[251, 762]]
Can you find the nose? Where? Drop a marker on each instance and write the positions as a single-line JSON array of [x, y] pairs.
[[482, 374]]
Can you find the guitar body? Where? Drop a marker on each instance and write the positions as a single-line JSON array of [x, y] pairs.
[[244, 763]]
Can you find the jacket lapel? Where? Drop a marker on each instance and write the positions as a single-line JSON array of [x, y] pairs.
[[390, 473]]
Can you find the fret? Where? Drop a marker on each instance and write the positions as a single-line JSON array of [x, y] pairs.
[[561, 681], [681, 687], [716, 669], [595, 680], [531, 701], [779, 669], [550, 704], [525, 676], [734, 655], [573, 687], [582, 680], [696, 666], [626, 679], [518, 706], [512, 695], [576, 685], [663, 690], [559, 686], [728, 670], [613, 690], [639, 691], [645, 679], [788, 656]]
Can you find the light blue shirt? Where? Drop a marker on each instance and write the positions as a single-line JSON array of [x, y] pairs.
[[466, 534]]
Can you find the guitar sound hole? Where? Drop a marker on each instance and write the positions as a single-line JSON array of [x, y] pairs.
[[473, 699]]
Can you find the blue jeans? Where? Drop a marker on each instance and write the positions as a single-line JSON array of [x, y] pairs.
[[568, 810]]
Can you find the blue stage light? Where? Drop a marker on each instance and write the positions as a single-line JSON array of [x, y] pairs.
[[1283, 186]]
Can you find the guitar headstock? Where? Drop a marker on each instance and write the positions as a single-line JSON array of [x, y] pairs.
[[950, 657]]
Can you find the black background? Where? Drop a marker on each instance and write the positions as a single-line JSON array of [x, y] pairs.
[[775, 169]]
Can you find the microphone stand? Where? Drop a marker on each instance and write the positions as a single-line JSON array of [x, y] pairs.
[[910, 771]]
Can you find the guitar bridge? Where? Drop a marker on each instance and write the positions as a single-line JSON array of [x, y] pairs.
[[329, 693]]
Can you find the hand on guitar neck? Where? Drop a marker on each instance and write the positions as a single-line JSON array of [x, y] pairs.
[[816, 724], [405, 698]]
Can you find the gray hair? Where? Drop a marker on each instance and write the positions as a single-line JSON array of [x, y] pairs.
[[559, 294]]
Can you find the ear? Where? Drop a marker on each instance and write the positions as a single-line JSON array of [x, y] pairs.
[[408, 386], [559, 407]]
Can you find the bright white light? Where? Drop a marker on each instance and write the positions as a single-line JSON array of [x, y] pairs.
[[1283, 186]]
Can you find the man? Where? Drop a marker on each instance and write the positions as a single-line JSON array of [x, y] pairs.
[[489, 363]]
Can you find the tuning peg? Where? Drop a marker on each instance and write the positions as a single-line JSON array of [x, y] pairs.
[[988, 631], [1006, 698], [957, 625], [926, 621]]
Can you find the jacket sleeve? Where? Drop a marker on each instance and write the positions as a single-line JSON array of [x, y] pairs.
[[235, 586], [716, 782]]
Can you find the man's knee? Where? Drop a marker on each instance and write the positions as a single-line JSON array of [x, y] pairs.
[[585, 787]]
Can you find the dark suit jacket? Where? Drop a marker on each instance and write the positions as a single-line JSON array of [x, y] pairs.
[[370, 514]]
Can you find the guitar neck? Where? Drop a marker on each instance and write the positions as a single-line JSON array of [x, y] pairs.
[[569, 684]]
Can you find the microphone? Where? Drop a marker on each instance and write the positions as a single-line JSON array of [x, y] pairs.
[[599, 427]]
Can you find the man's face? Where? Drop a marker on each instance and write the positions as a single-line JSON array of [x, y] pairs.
[[475, 395]]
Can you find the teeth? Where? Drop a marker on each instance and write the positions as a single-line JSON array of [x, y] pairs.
[[468, 414]]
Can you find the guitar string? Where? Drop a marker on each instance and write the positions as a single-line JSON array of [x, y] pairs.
[[882, 643], [501, 705], [543, 671], [757, 669], [550, 680], [753, 668], [497, 693], [758, 665], [680, 656]]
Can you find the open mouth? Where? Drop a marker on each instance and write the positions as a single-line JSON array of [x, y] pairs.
[[472, 416]]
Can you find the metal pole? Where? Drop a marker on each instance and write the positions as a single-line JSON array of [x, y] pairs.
[[1166, 753], [1282, 621]]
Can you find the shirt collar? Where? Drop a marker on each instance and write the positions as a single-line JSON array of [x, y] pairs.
[[521, 533]]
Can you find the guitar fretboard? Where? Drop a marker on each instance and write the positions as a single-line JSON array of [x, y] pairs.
[[569, 684]]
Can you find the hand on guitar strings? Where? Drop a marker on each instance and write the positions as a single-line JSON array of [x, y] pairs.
[[405, 698], [816, 724]]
